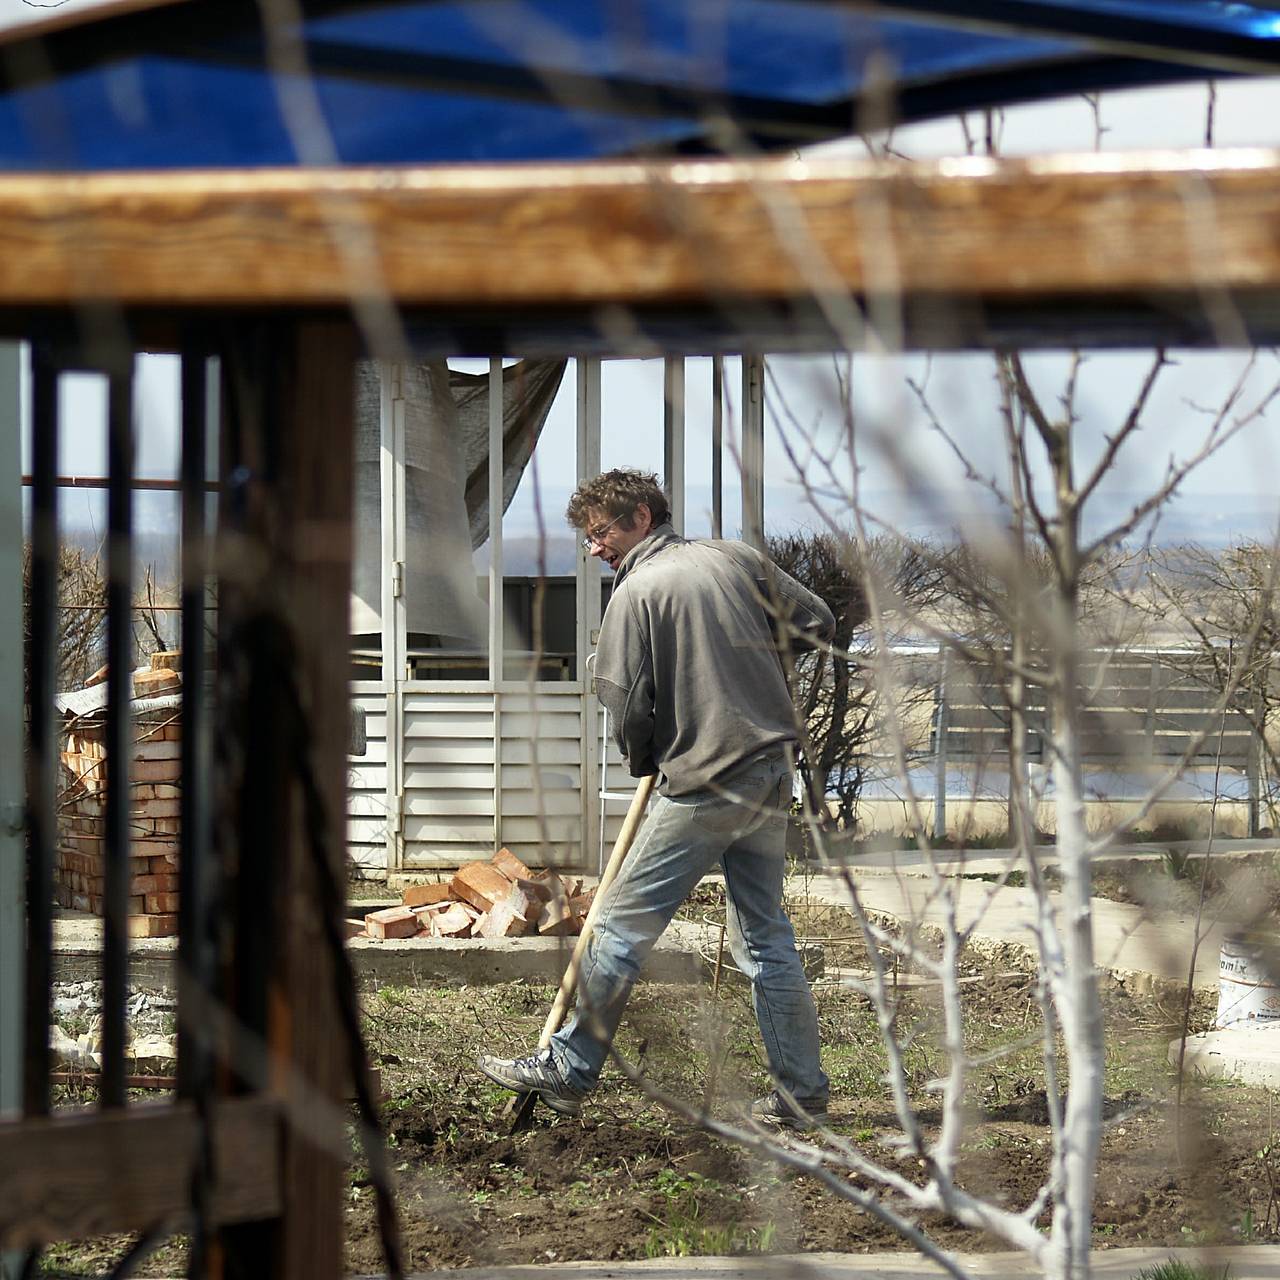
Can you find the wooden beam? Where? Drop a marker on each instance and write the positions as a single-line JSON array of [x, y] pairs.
[[648, 234], [284, 576], [67, 1177]]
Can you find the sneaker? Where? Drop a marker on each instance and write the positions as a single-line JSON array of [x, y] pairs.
[[772, 1110], [537, 1074]]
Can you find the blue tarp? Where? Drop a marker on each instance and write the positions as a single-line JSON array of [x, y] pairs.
[[569, 79]]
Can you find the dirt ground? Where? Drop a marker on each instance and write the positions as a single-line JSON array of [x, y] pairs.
[[628, 1180]]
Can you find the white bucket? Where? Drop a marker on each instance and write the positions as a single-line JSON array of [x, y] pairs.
[[1248, 994]]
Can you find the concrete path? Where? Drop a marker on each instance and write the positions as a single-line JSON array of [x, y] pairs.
[[401, 962], [1148, 950], [1246, 1262]]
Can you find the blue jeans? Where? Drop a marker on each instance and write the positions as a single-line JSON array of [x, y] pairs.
[[740, 825]]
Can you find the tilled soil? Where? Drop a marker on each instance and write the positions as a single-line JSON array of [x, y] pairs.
[[628, 1180]]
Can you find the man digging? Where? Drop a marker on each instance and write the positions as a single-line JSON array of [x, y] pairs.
[[688, 668]]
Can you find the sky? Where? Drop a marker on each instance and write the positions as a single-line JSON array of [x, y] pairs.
[[1233, 493]]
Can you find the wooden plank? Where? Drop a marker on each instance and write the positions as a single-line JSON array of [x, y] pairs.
[[449, 775], [448, 703], [428, 751], [546, 751], [67, 1177], [549, 725], [439, 725], [647, 233], [471, 828], [553, 804]]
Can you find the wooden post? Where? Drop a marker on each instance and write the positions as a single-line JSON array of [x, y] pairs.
[[285, 575]]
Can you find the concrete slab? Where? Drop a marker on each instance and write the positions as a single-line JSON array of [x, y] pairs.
[[77, 957], [1246, 1262], [1250, 1054], [1148, 951], [991, 862]]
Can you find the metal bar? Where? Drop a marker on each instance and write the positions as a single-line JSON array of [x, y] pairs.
[[104, 482], [195, 883], [587, 409], [42, 756], [391, 660], [753, 450], [497, 637], [12, 870], [119, 744], [673, 401], [197, 886], [717, 446]]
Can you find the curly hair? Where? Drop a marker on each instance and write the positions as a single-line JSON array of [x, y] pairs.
[[619, 492]]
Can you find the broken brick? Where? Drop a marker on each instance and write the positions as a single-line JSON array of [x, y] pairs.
[[480, 884], [510, 865], [453, 922], [423, 895], [391, 922], [149, 684]]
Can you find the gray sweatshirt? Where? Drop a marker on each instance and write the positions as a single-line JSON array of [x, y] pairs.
[[688, 664]]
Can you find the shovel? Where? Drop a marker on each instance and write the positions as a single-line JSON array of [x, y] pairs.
[[522, 1105]]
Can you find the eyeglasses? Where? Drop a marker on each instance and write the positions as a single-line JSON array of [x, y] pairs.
[[594, 536]]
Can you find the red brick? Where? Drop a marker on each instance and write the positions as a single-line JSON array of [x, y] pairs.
[[156, 811], [152, 926], [154, 884], [148, 684], [153, 771], [424, 895], [510, 865], [159, 904], [481, 884], [503, 921], [392, 922], [455, 921]]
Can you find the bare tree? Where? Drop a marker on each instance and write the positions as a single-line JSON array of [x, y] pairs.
[[1044, 600], [832, 688], [82, 611]]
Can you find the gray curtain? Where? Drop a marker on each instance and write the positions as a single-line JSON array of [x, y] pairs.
[[446, 487]]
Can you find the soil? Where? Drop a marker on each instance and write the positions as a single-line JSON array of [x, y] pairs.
[[630, 1180]]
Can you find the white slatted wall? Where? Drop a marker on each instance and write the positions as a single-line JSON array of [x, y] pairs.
[[368, 813], [448, 777]]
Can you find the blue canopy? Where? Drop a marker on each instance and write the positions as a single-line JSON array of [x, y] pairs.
[[191, 84]]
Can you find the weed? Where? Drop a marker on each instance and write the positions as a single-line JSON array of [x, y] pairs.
[[1176, 1269]]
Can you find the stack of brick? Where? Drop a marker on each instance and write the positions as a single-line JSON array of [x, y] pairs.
[[155, 772], [501, 898]]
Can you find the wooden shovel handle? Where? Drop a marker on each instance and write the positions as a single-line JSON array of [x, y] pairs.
[[621, 847]]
